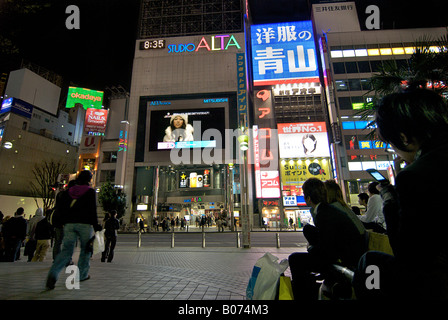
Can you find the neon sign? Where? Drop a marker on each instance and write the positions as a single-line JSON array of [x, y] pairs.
[[123, 141], [216, 43], [283, 53]]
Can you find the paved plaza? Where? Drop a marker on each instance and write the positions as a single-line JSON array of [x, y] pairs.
[[145, 273]]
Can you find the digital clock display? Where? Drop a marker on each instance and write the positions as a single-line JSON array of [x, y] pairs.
[[152, 44]]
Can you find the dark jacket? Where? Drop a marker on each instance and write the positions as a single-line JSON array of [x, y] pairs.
[[78, 205], [336, 237], [417, 217], [111, 225], [15, 228], [43, 230]]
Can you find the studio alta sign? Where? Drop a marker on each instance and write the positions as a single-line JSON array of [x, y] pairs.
[[214, 43]]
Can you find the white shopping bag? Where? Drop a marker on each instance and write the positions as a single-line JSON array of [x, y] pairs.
[[98, 242], [265, 277]]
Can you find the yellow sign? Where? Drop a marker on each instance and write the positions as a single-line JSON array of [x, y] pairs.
[[295, 172]]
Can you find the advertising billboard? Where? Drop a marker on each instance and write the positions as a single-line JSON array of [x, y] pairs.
[[200, 178], [95, 121], [296, 172], [86, 97], [186, 124], [17, 106], [301, 140], [283, 53]]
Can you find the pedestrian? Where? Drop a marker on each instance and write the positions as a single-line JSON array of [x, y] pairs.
[[79, 207], [373, 218], [156, 224], [333, 239], [219, 224], [14, 233], [42, 234], [31, 242], [336, 199], [111, 225], [290, 222], [182, 223], [173, 223], [56, 220], [415, 123]]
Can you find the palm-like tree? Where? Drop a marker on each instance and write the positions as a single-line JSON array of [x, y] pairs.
[[427, 68]]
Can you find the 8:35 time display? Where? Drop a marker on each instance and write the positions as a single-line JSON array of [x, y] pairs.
[[152, 44]]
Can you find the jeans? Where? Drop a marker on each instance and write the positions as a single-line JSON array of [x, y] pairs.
[[109, 249], [73, 231], [58, 235], [12, 250]]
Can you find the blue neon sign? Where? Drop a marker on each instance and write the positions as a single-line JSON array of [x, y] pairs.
[[284, 53]]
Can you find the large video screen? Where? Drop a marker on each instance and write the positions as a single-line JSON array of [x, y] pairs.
[[200, 125]]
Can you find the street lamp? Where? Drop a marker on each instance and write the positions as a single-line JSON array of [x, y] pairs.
[[243, 139]]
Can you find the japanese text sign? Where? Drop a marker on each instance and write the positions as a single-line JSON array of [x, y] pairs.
[[283, 53]]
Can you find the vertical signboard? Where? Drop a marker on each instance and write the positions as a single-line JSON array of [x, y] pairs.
[[122, 154], [283, 53], [265, 147], [242, 90]]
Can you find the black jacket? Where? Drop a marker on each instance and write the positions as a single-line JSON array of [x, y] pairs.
[[111, 225], [15, 228], [78, 205], [417, 217], [336, 237]]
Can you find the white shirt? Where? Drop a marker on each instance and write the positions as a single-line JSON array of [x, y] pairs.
[[374, 212]]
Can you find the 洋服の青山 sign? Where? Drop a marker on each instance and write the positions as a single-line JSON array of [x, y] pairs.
[[95, 121], [86, 97], [215, 43]]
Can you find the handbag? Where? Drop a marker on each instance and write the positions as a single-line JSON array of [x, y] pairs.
[[285, 289], [98, 242]]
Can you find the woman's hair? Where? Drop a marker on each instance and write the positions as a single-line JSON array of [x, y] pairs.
[[315, 189], [334, 193], [312, 137], [417, 113]]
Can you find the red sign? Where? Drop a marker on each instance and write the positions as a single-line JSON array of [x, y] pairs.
[[96, 120]]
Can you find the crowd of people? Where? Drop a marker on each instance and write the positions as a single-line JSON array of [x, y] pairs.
[[415, 123], [72, 220]]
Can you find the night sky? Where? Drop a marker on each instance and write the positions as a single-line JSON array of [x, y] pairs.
[[100, 54]]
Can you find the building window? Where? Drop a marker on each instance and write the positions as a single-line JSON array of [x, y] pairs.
[[354, 84], [109, 156], [338, 68], [107, 176], [345, 103], [351, 67], [364, 66], [341, 85]]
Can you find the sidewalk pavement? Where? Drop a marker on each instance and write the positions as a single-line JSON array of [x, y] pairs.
[[143, 274]]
